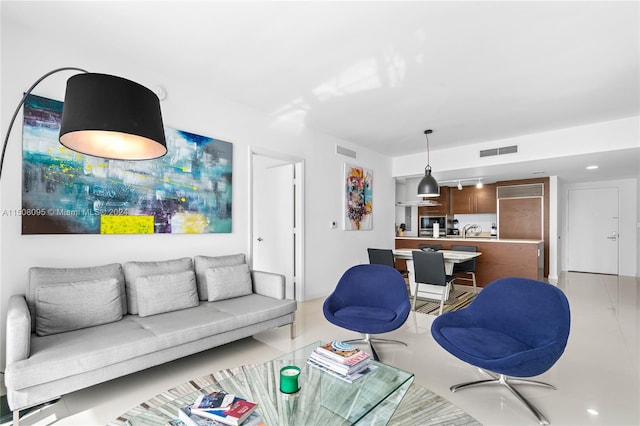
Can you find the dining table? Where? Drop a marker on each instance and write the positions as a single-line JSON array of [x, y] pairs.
[[451, 257]]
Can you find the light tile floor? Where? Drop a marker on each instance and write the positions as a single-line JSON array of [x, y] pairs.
[[599, 370]]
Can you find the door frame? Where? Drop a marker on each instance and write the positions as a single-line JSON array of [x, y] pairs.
[[299, 252]]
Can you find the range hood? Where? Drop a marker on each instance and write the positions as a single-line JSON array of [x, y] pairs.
[[418, 203]]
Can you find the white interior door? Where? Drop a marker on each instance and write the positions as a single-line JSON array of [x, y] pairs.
[[273, 235], [592, 230]]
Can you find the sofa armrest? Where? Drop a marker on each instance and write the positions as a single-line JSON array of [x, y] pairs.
[[268, 284], [18, 330]]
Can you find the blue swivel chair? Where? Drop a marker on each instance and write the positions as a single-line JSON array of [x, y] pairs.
[[515, 328], [369, 299]]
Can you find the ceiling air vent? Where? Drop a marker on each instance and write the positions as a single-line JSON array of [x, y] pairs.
[[499, 151], [345, 151]]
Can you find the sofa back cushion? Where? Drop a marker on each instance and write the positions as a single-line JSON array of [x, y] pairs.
[[72, 306], [227, 282], [40, 276], [166, 292], [202, 263], [134, 270]]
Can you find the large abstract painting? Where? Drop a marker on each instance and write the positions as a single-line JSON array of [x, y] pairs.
[[358, 198], [64, 192]]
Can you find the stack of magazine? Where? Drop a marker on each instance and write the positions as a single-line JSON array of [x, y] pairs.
[[341, 360], [219, 409]]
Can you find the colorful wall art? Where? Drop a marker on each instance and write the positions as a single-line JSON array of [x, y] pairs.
[[358, 198], [64, 192]]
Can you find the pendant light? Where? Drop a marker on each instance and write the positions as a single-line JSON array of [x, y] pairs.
[[428, 186]]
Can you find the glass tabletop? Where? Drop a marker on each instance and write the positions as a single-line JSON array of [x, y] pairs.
[[321, 400]]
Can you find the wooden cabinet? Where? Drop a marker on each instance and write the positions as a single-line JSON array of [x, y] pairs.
[[473, 200], [442, 209], [461, 200], [486, 201]]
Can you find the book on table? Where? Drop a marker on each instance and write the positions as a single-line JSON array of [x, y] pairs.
[[216, 399], [233, 414], [190, 419], [349, 378], [219, 408], [342, 352], [339, 367]]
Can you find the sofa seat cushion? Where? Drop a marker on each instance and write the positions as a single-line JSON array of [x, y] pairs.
[[66, 354], [187, 325], [61, 355]]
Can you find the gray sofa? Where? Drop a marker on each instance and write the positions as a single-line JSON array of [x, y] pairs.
[[77, 327]]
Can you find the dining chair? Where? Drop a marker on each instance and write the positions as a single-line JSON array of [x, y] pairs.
[[467, 268], [383, 257], [431, 280]]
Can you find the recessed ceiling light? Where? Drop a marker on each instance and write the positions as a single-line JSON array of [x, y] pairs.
[[592, 167], [592, 412]]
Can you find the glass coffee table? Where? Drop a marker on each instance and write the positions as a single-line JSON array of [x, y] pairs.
[[321, 400]]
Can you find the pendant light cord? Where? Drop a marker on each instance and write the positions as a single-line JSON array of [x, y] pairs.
[[426, 134], [428, 151], [24, 98]]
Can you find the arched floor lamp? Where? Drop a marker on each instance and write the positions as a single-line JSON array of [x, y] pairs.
[[106, 116]]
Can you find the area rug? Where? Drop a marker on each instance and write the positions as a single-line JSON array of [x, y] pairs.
[[418, 407], [458, 299]]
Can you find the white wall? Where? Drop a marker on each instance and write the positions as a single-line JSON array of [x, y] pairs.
[[619, 134], [26, 55]]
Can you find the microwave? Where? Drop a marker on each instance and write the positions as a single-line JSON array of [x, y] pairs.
[[426, 225]]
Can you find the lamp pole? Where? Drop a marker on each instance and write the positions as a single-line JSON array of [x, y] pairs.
[[24, 98]]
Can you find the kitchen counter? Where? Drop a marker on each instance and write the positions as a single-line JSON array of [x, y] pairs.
[[500, 258], [458, 239]]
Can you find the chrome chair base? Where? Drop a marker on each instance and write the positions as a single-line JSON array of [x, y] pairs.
[[367, 339], [508, 382]]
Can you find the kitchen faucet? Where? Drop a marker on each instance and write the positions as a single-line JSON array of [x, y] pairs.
[[467, 227]]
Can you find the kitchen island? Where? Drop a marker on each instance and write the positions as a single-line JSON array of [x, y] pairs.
[[500, 257]]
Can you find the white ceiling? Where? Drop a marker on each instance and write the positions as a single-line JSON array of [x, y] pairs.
[[379, 73]]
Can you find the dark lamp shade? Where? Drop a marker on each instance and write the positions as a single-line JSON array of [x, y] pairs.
[[428, 186], [112, 117]]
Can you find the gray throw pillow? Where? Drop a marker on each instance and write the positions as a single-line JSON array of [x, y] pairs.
[[166, 292], [72, 306], [42, 276], [202, 263], [133, 270], [228, 281]]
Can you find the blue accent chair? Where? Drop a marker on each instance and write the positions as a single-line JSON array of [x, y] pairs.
[[515, 328], [369, 299]]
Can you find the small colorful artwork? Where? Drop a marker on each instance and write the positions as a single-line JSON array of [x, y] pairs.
[[64, 192], [358, 198]]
